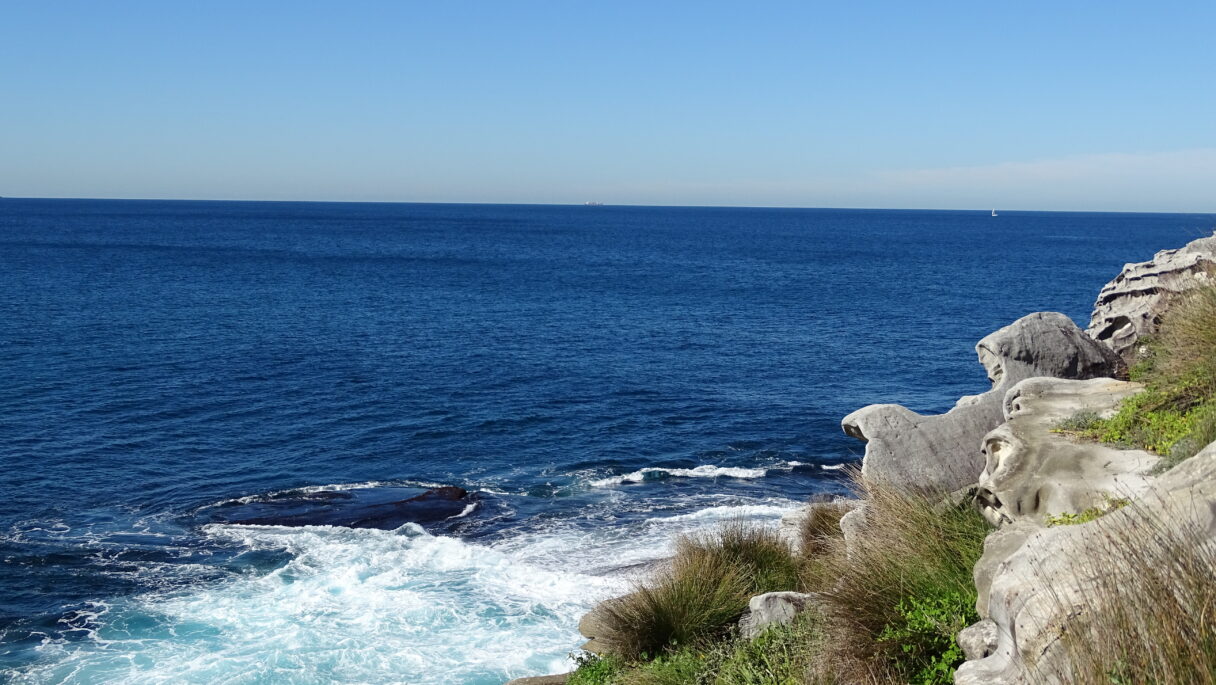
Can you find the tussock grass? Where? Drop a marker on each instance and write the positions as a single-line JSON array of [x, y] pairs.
[[1185, 359], [893, 600], [1151, 608], [703, 591], [898, 595]]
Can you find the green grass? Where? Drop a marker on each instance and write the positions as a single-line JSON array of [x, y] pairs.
[[593, 669], [1175, 416], [1090, 514], [780, 655]]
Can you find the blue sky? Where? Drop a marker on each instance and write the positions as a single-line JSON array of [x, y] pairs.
[[1029, 105]]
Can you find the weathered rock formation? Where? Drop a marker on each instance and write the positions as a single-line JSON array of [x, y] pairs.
[[774, 608], [1045, 591], [1131, 305], [940, 452], [1032, 472]]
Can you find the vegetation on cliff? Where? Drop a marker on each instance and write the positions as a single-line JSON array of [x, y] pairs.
[[1175, 416], [890, 601]]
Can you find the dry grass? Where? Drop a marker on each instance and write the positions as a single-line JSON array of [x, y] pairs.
[[1185, 358], [1152, 608], [821, 525]]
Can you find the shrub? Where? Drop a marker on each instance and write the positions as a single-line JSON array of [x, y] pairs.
[[1175, 416], [1070, 519], [925, 635], [1184, 353], [1082, 422], [702, 591]]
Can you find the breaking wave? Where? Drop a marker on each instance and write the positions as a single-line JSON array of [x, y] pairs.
[[654, 473], [366, 605]]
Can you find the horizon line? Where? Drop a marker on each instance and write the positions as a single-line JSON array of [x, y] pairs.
[[601, 205]]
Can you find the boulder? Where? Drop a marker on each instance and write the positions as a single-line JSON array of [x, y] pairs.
[[1032, 472], [939, 452], [774, 608], [1041, 597], [1130, 306], [978, 640]]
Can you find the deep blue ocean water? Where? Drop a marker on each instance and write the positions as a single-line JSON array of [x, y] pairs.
[[601, 377]]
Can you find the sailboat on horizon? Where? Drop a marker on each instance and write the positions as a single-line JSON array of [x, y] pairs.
[[994, 211]]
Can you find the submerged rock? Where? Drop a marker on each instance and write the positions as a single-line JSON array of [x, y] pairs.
[[940, 452], [1130, 306], [355, 508]]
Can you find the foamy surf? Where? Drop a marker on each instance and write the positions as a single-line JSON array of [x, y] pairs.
[[652, 473], [374, 606]]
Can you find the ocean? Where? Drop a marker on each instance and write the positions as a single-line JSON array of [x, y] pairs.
[[599, 379]]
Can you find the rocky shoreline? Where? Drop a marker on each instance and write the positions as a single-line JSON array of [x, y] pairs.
[[1001, 452]]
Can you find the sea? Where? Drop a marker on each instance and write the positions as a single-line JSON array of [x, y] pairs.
[[599, 379]]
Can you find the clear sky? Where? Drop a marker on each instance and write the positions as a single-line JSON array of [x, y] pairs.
[[1016, 105]]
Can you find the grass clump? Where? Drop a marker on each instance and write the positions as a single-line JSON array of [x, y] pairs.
[[703, 591], [781, 655], [890, 604], [1152, 602], [1083, 422], [899, 594], [1090, 514], [594, 669], [1175, 416]]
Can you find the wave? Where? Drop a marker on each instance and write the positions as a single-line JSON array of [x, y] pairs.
[[352, 605], [366, 605], [726, 513], [653, 473]]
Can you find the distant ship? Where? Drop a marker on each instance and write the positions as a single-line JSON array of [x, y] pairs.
[[594, 204], [993, 212]]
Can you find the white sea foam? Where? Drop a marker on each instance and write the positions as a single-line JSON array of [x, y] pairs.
[[747, 511], [374, 606], [468, 509], [703, 471], [351, 606]]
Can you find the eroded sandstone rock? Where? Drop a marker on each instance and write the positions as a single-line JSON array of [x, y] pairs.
[[939, 452], [1131, 305], [1032, 472], [1045, 590]]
